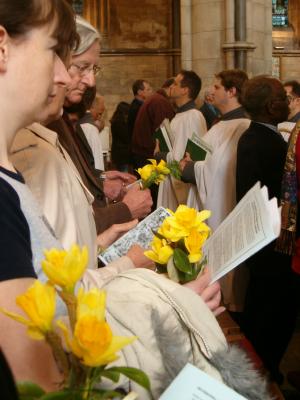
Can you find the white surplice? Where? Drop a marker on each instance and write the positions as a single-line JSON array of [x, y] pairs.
[[215, 176], [94, 140], [216, 187], [172, 192]]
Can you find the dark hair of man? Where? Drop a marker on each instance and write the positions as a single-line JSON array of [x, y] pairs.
[[19, 16], [168, 83], [192, 81], [264, 99], [138, 85], [233, 78], [295, 85]]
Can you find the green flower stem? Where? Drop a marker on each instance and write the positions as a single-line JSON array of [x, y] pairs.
[[88, 384]]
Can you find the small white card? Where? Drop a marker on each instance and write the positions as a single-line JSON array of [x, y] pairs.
[[193, 384]]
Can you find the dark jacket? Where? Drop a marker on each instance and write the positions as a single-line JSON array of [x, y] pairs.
[[132, 114], [152, 113], [121, 140]]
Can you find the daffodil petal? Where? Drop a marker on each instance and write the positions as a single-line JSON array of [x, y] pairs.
[[16, 317], [35, 333]]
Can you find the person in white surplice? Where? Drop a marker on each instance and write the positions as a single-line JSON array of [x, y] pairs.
[[188, 120], [215, 177]]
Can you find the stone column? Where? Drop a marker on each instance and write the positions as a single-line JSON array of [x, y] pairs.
[[237, 47], [176, 38], [229, 33], [186, 34], [240, 29]]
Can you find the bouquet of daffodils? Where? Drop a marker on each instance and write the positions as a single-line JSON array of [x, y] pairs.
[[157, 173], [177, 245], [90, 343]]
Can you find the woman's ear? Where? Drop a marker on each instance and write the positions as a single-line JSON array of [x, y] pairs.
[[3, 49]]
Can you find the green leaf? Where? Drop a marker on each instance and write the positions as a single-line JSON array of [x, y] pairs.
[[135, 375], [174, 169], [112, 375], [100, 394], [181, 261], [29, 390], [150, 181], [63, 395]]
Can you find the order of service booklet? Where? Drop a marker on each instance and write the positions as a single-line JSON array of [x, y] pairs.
[[254, 223], [197, 148], [142, 235], [251, 225], [193, 384]]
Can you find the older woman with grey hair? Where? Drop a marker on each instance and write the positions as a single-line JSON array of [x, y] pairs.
[[134, 202]]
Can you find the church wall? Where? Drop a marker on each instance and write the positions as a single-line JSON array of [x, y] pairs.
[[289, 67], [212, 26], [207, 36], [259, 32], [139, 42], [137, 46], [119, 72]]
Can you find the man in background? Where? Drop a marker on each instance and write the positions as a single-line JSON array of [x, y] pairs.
[[292, 89], [151, 114], [141, 90]]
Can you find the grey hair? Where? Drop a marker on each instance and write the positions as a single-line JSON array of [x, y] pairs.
[[87, 33]]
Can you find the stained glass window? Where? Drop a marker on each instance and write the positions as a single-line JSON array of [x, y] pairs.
[[280, 13]]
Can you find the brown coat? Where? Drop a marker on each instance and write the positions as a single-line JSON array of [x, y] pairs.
[[105, 215]]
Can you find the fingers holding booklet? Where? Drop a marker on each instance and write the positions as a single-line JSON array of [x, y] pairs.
[[210, 293]]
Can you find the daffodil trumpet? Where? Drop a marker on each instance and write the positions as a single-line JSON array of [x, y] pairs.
[[177, 245]]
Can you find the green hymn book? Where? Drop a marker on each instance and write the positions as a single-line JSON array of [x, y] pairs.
[[164, 141], [197, 148]]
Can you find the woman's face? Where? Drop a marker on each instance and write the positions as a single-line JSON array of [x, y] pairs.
[[35, 72]]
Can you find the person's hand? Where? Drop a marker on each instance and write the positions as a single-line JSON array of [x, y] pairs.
[[136, 254], [211, 294], [113, 189], [184, 161], [123, 176], [113, 233], [138, 201], [157, 148]]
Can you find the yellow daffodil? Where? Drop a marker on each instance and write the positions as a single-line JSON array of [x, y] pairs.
[[146, 171], [185, 219], [194, 243], [65, 268], [161, 251], [91, 303], [93, 341], [161, 167], [38, 302], [169, 232]]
